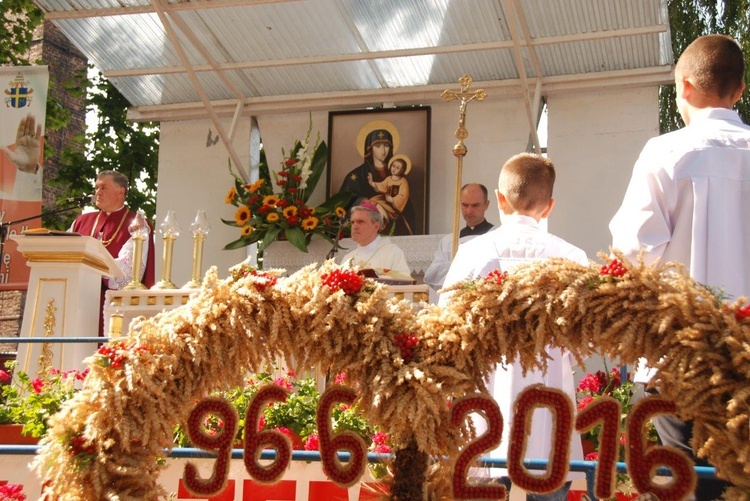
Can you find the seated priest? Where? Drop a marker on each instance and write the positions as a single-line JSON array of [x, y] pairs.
[[374, 252], [110, 225]]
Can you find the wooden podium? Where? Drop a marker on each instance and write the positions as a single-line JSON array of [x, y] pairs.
[[63, 297]]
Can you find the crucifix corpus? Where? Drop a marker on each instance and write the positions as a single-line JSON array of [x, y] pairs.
[[460, 150]]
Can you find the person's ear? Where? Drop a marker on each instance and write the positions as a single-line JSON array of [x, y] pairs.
[[545, 212], [502, 203], [738, 94]]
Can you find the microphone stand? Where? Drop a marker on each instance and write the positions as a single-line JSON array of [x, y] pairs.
[[5, 226], [335, 248]]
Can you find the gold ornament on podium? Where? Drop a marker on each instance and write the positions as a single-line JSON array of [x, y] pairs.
[[115, 324], [200, 229], [139, 230], [170, 229], [45, 359], [460, 150]]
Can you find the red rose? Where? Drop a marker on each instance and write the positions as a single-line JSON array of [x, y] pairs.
[[291, 161]]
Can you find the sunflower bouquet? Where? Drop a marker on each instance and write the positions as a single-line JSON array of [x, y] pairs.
[[275, 206]]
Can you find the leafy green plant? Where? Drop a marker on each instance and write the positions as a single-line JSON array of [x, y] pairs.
[[31, 401]]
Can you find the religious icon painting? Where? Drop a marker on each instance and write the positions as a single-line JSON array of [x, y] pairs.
[[383, 156]]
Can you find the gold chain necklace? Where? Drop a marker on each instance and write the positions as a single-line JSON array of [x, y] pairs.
[[106, 243]]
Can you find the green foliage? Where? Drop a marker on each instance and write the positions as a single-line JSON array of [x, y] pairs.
[[690, 19], [115, 144], [31, 402], [19, 20]]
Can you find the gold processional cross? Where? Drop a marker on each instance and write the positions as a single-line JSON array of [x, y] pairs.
[[460, 150]]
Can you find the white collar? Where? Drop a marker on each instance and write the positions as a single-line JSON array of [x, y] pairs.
[[519, 219], [371, 247]]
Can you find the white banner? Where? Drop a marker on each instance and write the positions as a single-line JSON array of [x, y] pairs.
[[23, 90]]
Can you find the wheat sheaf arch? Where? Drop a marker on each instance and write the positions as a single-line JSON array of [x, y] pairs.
[[125, 415]]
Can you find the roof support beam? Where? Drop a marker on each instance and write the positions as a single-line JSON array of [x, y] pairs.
[[426, 94], [196, 84], [513, 19], [360, 56]]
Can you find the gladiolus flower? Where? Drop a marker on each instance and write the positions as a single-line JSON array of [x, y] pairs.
[[291, 161]]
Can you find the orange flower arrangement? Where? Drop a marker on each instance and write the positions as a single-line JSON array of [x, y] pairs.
[[263, 215]]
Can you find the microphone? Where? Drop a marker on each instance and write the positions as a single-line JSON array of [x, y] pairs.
[[81, 201]]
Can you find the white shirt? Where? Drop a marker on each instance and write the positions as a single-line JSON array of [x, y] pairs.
[[689, 201], [435, 274], [520, 239], [380, 255]]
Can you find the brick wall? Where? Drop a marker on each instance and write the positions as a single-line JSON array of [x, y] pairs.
[[52, 48]]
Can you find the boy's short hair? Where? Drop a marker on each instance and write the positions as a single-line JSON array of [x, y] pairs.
[[714, 63], [528, 181]]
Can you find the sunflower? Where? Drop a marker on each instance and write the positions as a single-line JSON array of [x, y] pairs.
[[272, 217], [271, 200], [256, 186], [242, 215], [290, 211], [310, 223], [246, 231], [340, 212], [231, 196]]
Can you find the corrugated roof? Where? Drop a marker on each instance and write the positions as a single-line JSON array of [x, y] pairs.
[[246, 49]]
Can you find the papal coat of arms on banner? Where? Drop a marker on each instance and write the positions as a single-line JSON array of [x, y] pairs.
[[19, 93]]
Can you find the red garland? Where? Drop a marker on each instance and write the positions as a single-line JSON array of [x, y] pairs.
[[344, 475], [487, 441], [221, 443], [255, 440], [562, 410], [607, 411], [642, 458], [406, 343]]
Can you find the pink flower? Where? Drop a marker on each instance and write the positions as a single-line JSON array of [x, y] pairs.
[[584, 402], [4, 377], [312, 443], [592, 456], [283, 382], [382, 449], [379, 438], [37, 384], [81, 376], [12, 492], [340, 378], [590, 382]]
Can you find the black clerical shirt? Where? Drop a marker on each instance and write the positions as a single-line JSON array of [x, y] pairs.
[[479, 229]]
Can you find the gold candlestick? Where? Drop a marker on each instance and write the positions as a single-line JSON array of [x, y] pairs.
[[170, 228], [460, 150], [115, 324], [139, 231], [200, 229]]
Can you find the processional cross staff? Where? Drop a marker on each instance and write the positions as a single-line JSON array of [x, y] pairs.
[[460, 150]]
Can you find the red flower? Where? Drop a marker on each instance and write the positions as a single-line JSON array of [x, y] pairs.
[[261, 422], [4, 377], [12, 492], [379, 438], [296, 178], [292, 190], [592, 456], [293, 220], [742, 313], [37, 384], [281, 182], [282, 203], [590, 382], [291, 161], [299, 202], [305, 212], [264, 209], [312, 443], [382, 449], [284, 173], [496, 276]]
